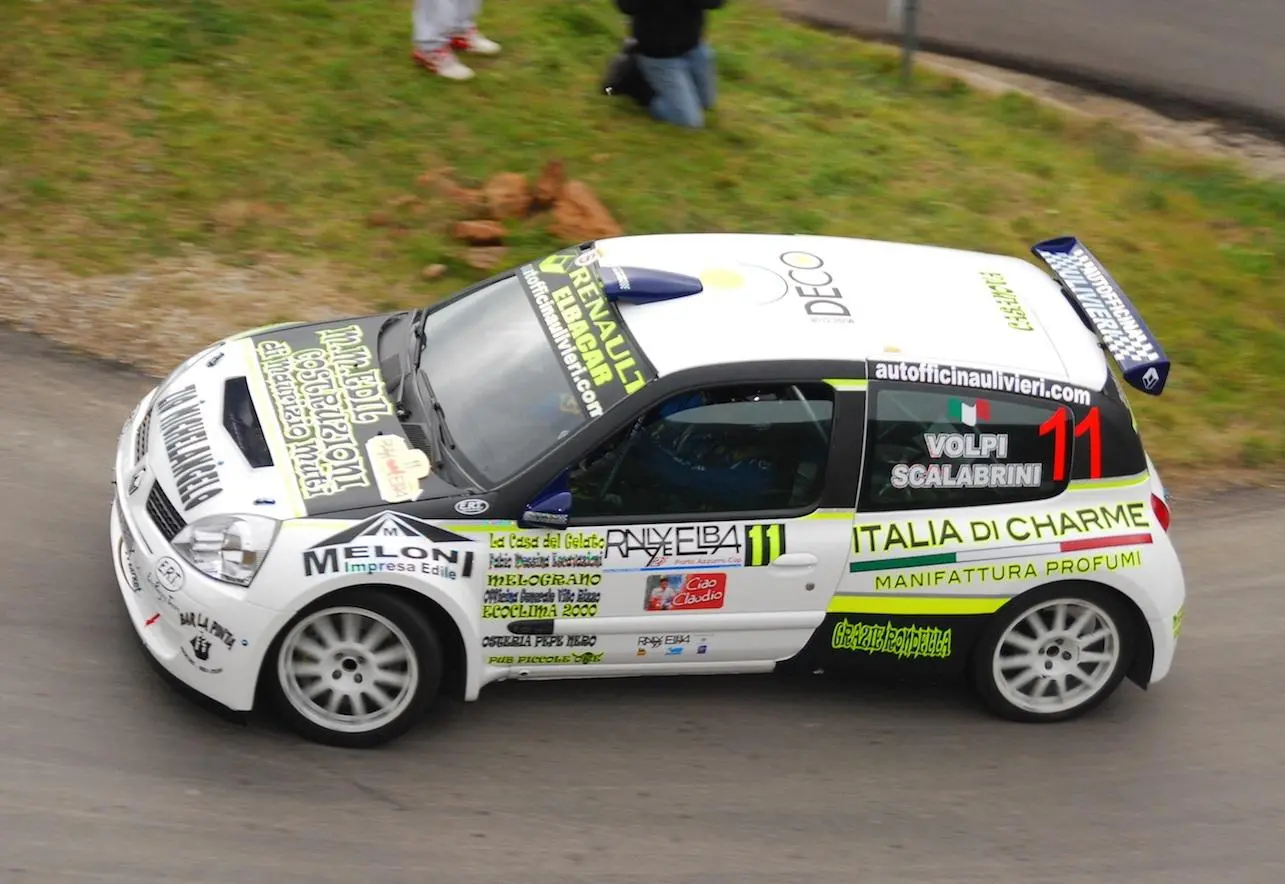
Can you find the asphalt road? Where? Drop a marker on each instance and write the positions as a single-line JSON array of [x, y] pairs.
[[106, 774], [1221, 56]]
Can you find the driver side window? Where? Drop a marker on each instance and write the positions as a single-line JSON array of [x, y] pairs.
[[733, 449]]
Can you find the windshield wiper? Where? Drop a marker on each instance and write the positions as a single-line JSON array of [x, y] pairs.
[[442, 431], [419, 340], [416, 348]]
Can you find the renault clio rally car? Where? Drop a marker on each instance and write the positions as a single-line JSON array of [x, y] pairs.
[[662, 455]]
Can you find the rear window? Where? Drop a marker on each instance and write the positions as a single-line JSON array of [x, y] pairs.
[[944, 448]]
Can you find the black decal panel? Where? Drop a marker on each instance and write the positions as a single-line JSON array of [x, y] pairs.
[[343, 441]]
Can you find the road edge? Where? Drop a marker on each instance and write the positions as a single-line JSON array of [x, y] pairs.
[[1234, 116]]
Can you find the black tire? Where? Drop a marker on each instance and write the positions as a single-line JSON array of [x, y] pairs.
[[424, 645], [986, 684]]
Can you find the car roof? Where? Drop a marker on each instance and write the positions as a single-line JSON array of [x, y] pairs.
[[773, 297]]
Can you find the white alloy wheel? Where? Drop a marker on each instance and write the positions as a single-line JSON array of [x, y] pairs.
[[348, 670], [1057, 656]]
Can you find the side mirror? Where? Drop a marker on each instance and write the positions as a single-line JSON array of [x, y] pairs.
[[551, 509]]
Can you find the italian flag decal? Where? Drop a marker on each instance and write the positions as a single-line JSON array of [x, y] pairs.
[[962, 412], [1005, 552]]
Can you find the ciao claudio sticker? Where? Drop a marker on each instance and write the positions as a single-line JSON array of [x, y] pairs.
[[340, 430], [685, 592], [602, 362]]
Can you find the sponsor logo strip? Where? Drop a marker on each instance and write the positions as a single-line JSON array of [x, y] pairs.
[[888, 538], [390, 542], [902, 642], [978, 379], [187, 447], [1035, 550], [685, 592], [694, 547], [602, 362]]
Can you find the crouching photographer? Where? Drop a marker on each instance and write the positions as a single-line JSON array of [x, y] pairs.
[[667, 65]]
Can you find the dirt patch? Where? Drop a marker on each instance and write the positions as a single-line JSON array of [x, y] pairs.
[[1260, 156], [156, 317]]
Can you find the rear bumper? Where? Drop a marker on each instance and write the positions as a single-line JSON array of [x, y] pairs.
[[1165, 620]]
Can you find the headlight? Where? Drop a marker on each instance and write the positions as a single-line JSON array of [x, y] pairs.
[[227, 548]]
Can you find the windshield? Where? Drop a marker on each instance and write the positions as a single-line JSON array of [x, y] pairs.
[[521, 364]]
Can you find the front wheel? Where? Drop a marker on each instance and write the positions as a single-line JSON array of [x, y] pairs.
[[1057, 653], [357, 671]]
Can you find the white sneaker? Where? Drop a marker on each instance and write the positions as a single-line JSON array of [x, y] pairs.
[[443, 63], [475, 42]]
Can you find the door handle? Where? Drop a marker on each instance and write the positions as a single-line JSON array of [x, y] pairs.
[[794, 560]]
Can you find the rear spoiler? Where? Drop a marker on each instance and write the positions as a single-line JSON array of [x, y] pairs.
[[1103, 304]]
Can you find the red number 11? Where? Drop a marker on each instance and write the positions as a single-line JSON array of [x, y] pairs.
[[1092, 424]]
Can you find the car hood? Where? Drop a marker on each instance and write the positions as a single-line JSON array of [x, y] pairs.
[[290, 420]]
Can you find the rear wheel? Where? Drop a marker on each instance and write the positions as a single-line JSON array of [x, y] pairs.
[[1055, 654], [358, 670]]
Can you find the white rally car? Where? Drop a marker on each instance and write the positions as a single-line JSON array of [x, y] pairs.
[[662, 455]]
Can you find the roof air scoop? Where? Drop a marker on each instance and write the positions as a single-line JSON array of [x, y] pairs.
[[642, 285]]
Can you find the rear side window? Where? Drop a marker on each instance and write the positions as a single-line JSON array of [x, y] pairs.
[[950, 449], [1106, 444]]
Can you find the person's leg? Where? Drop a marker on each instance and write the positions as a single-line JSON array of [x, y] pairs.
[[700, 61], [431, 24], [676, 100], [465, 37]]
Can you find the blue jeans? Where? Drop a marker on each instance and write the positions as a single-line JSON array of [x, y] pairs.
[[684, 86]]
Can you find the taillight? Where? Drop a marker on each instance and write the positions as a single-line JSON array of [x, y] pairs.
[[1161, 510]]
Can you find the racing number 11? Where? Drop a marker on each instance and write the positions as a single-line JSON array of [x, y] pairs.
[[1092, 424]]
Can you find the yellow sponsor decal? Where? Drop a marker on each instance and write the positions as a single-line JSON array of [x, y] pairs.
[[586, 658], [539, 611], [1007, 572], [1006, 299], [902, 642]]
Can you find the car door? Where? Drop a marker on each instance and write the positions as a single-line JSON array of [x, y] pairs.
[[955, 502], [720, 529]]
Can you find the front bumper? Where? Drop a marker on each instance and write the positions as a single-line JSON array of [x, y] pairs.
[[204, 633]]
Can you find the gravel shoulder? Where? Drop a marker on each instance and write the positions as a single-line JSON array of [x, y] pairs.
[[1256, 154]]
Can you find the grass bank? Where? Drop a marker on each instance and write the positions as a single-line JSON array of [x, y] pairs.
[[267, 132]]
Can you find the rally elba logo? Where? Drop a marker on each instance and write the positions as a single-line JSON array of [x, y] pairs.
[[390, 541]]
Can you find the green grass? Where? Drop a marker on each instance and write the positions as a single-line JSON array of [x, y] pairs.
[[257, 127]]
